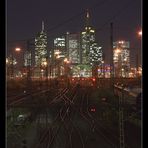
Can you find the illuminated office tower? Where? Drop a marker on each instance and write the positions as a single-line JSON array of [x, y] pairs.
[[91, 53], [68, 46], [87, 39], [27, 57], [73, 47], [60, 46], [73, 52], [96, 54], [95, 58], [40, 48], [81, 50], [58, 55], [121, 58]]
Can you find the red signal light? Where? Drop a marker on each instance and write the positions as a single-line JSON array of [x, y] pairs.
[[94, 79]]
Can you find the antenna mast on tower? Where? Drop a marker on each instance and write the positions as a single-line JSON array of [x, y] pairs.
[[42, 25]]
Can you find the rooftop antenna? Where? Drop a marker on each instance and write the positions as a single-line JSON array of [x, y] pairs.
[[42, 25], [87, 18]]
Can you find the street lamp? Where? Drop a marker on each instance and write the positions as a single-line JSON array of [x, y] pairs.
[[137, 56], [103, 68], [57, 53], [17, 49], [7, 66], [66, 62], [7, 61], [117, 51], [12, 63], [58, 63], [45, 64], [42, 72], [140, 33]]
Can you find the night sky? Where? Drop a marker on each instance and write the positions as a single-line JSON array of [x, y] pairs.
[[24, 19]]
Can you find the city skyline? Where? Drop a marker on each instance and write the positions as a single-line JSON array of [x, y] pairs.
[[104, 12], [74, 73]]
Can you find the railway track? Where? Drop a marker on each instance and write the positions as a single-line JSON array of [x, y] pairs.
[[70, 105], [109, 135], [66, 126]]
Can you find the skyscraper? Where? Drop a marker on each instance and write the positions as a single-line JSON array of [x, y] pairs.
[[121, 58], [73, 47], [91, 53], [40, 53], [95, 56], [87, 39], [81, 50], [40, 47], [59, 53], [60, 46], [68, 47]]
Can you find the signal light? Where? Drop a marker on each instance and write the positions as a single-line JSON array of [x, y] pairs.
[[92, 109], [94, 79], [103, 99]]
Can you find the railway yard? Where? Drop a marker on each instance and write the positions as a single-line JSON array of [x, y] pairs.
[[72, 117]]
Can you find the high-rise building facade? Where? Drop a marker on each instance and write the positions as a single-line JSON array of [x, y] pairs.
[[91, 53], [95, 59], [73, 52], [67, 47], [81, 50], [40, 48], [73, 47], [95, 56], [60, 46], [87, 39], [40, 55], [58, 55], [27, 58], [121, 58]]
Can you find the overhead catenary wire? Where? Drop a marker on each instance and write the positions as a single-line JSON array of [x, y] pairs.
[[98, 4], [118, 13]]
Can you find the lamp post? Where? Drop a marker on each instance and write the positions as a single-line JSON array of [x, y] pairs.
[[137, 56], [46, 70], [7, 67], [17, 49], [12, 61], [140, 33], [65, 69], [57, 66], [103, 68], [66, 62]]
